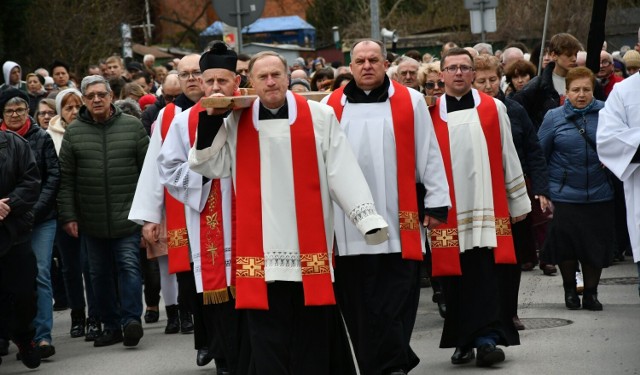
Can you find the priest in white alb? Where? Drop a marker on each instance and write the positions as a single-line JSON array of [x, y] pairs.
[[618, 141], [289, 161]]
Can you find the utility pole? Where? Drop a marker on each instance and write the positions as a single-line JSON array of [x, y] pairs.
[[375, 19]]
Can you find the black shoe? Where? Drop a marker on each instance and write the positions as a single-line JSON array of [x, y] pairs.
[[4, 347], [94, 329], [46, 351], [78, 322], [590, 302], [133, 333], [203, 357], [221, 367], [518, 323], [571, 299], [548, 269], [173, 320], [489, 355], [186, 323], [442, 309], [461, 356], [108, 337], [29, 354], [151, 316]]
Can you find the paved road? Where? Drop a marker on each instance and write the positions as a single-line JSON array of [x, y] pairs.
[[605, 342]]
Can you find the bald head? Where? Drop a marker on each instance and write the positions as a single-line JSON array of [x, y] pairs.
[[511, 54], [171, 85], [299, 74]]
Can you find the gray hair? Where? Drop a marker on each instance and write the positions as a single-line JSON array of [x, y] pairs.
[[129, 106], [484, 48], [383, 49], [17, 100], [404, 59], [93, 80], [263, 54]]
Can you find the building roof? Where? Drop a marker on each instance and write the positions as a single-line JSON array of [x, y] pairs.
[[264, 25]]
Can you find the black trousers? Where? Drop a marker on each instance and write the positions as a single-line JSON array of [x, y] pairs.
[[18, 306], [293, 339], [378, 296], [203, 315], [474, 306]]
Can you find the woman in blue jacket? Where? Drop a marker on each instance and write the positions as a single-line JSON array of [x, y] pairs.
[[583, 227]]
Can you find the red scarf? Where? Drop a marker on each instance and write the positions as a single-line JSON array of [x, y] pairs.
[[445, 248], [212, 262], [177, 238], [22, 131], [251, 288], [403, 130]]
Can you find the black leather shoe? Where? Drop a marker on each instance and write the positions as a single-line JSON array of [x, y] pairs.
[[133, 333], [442, 309], [203, 358], [186, 323], [46, 351], [29, 354], [461, 356], [571, 299], [489, 355], [151, 316], [94, 329], [108, 337], [590, 302]]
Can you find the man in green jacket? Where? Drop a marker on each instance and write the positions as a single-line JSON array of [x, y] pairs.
[[101, 157]]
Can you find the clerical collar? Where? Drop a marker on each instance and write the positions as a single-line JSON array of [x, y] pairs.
[[183, 102], [464, 102], [268, 114], [355, 94]]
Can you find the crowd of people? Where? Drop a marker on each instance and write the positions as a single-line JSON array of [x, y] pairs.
[[256, 224]]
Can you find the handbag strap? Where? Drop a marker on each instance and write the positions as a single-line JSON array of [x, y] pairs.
[[583, 133]]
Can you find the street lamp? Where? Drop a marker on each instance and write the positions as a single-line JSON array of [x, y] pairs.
[[336, 37]]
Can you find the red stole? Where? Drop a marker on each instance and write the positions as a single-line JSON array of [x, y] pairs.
[[177, 238], [212, 262], [445, 248], [251, 288], [403, 129]]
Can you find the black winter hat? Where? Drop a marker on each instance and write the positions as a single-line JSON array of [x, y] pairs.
[[11, 93]]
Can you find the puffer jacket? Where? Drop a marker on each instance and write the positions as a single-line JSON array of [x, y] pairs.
[[576, 175], [20, 183], [49, 168], [100, 165]]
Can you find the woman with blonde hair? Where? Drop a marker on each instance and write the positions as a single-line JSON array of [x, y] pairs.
[[45, 113]]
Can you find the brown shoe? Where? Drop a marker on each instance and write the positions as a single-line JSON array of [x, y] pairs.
[[549, 269], [518, 324]]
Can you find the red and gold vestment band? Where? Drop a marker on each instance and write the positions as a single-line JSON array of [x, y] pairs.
[[251, 288], [445, 248], [403, 129]]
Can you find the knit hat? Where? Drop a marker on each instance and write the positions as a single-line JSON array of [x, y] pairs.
[[61, 96], [48, 81], [299, 81], [9, 94], [146, 100], [219, 57], [632, 59]]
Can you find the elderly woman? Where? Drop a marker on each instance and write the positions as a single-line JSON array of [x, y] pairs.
[[488, 75], [15, 117], [582, 225], [429, 77], [74, 259], [45, 113], [518, 74]]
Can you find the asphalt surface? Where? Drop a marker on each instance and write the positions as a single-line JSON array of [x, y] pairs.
[[556, 341]]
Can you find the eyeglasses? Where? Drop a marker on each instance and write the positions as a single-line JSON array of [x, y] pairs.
[[100, 95], [169, 98], [11, 112], [186, 75], [432, 85], [605, 63], [454, 68], [46, 113]]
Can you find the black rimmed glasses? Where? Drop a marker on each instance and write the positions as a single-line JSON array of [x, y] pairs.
[[186, 75], [100, 95], [454, 68], [11, 112], [432, 85]]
